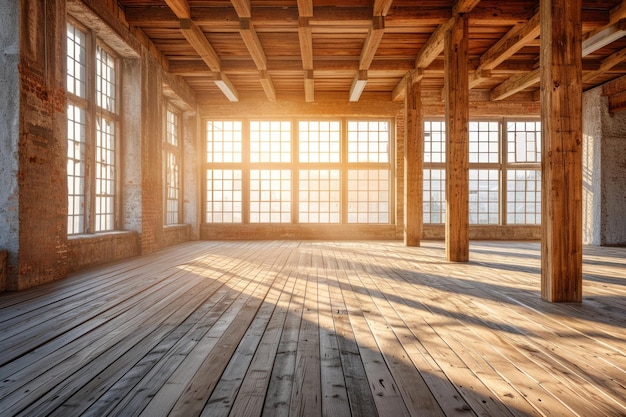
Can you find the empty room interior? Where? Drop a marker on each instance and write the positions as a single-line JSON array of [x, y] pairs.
[[349, 208]]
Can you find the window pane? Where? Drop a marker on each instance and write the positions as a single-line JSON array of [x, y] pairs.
[[523, 203], [105, 80], [434, 196], [368, 196], [320, 196], [76, 61], [270, 141], [484, 191], [484, 142], [172, 169], [224, 196], [368, 141], [76, 169], [270, 196], [434, 142], [105, 174], [319, 141], [224, 141], [524, 142]]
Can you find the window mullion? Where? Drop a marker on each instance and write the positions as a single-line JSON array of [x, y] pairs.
[[90, 135]]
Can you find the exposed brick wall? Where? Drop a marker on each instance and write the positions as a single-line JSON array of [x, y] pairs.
[[3, 270], [175, 234], [86, 251]]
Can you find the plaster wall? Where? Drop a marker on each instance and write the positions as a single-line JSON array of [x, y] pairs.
[[604, 172], [9, 130]]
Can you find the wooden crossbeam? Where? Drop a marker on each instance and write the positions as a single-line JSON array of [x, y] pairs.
[[606, 64], [242, 7], [223, 83], [514, 40], [305, 8], [601, 38], [268, 85], [464, 6], [309, 86], [374, 36], [515, 84], [252, 42], [381, 7], [180, 8], [200, 43], [305, 35]]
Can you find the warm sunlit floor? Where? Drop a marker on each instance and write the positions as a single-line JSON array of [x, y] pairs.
[[317, 328]]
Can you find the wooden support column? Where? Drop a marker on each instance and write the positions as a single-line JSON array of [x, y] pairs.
[[457, 140], [561, 121], [413, 161]]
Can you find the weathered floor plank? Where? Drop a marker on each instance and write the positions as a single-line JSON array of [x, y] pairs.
[[294, 328]]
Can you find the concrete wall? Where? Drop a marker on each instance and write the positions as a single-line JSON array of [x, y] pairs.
[[9, 130], [604, 172]]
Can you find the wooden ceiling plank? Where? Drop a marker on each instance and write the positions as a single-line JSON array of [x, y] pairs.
[[252, 42], [515, 84], [200, 43], [372, 42], [180, 8], [242, 7]]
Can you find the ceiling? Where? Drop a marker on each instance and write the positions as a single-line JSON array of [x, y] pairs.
[[315, 49]]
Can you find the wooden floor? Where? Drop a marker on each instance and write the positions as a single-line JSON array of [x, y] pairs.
[[295, 328]]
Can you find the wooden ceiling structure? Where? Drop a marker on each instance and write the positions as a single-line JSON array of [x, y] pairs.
[[317, 49]]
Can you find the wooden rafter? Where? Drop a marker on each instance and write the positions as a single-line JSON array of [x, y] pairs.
[[253, 44], [381, 7], [200, 43], [374, 36], [305, 37], [180, 8], [606, 64], [515, 84], [242, 7]]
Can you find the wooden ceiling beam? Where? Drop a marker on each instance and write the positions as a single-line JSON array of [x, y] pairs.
[[604, 36], [242, 7], [223, 83], [515, 84], [381, 7], [252, 42], [200, 43], [606, 64], [305, 37], [180, 8], [309, 86], [268, 85], [464, 6], [374, 36], [514, 40]]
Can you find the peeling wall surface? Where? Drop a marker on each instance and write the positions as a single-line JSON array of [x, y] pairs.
[[604, 172], [9, 127]]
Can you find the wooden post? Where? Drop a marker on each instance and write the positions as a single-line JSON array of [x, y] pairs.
[[457, 140], [561, 121], [413, 162]]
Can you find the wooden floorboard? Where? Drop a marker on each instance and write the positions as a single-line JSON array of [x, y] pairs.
[[308, 328]]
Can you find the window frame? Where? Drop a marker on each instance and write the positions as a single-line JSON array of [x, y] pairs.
[[295, 166], [177, 151], [503, 166], [93, 112]]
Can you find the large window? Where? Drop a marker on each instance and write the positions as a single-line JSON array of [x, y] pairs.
[[93, 118], [504, 176], [298, 171], [173, 167]]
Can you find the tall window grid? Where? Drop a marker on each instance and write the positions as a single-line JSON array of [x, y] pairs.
[[369, 179], [92, 115], [298, 171], [523, 181], [224, 173], [504, 176], [173, 167]]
